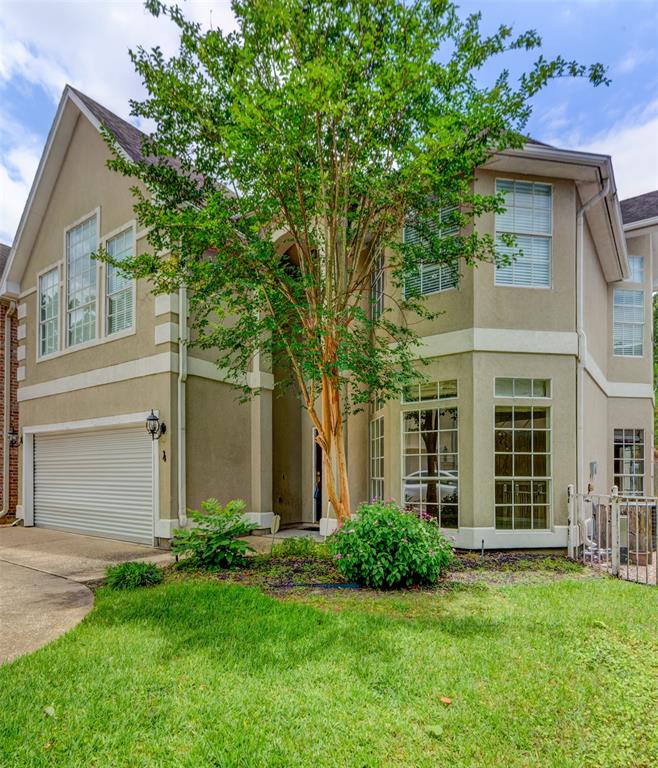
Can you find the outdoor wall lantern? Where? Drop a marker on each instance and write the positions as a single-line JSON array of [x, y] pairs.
[[13, 438], [154, 426]]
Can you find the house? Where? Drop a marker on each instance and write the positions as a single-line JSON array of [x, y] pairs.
[[539, 374], [8, 402]]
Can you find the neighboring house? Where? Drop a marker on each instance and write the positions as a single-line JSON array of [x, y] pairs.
[[539, 374], [8, 403]]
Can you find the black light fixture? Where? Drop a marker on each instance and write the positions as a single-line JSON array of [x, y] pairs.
[[13, 438], [154, 426]]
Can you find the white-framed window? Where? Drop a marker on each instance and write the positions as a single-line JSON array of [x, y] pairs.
[[377, 289], [431, 278], [522, 387], [430, 463], [377, 458], [529, 216], [522, 467], [628, 456], [81, 270], [430, 390], [119, 288], [49, 312], [627, 323], [636, 264]]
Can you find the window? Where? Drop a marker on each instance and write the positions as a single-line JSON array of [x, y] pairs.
[[628, 323], [49, 312], [432, 390], [119, 287], [81, 283], [628, 453], [431, 278], [430, 463], [377, 289], [377, 458], [528, 216], [522, 445], [636, 264], [523, 388]]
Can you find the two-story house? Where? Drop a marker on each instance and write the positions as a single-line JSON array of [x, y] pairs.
[[538, 375], [8, 402]]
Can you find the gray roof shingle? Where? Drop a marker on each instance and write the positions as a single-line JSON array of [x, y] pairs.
[[129, 137], [640, 207], [4, 255]]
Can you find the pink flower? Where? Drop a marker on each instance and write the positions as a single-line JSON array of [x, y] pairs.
[[338, 556]]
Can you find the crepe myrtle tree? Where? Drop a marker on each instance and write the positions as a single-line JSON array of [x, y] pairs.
[[326, 125]]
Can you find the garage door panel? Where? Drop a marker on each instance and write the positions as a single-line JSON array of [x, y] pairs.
[[98, 482]]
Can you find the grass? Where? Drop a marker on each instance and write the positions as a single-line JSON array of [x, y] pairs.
[[195, 672]]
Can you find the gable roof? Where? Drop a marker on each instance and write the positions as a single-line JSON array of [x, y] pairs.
[[640, 207], [127, 135], [72, 105], [4, 255]]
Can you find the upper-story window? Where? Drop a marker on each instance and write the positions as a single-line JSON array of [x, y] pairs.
[[627, 323], [119, 288], [81, 272], [49, 312], [529, 216], [636, 264], [431, 278], [523, 388], [377, 289]]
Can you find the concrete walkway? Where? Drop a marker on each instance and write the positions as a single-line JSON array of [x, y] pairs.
[[43, 575]]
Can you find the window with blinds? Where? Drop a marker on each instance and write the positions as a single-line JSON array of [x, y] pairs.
[[431, 278], [529, 217], [627, 323], [636, 264], [118, 286]]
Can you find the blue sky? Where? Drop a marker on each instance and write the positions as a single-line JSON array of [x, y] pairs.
[[47, 43]]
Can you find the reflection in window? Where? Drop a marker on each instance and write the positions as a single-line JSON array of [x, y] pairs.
[[522, 444], [430, 463], [628, 453]]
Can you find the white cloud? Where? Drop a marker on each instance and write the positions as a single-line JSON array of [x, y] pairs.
[[633, 145], [83, 43]]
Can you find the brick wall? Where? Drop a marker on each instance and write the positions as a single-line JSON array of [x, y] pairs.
[[13, 420]]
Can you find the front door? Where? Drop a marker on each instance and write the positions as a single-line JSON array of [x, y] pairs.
[[317, 479]]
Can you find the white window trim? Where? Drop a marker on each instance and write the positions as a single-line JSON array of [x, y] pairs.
[[529, 402], [101, 338], [452, 403], [132, 226], [455, 287], [65, 341], [371, 478], [644, 461], [38, 356], [548, 287], [628, 280], [515, 398], [644, 323]]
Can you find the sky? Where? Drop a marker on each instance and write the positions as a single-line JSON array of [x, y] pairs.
[[45, 44]]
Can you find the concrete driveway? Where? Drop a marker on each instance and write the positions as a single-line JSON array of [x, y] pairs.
[[43, 578]]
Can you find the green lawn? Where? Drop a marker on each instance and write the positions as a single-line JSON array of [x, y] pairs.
[[199, 673]]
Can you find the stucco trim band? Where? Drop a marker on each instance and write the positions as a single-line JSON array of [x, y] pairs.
[[471, 538], [499, 340], [616, 388]]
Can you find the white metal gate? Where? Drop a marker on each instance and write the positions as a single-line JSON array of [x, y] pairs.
[[614, 533], [97, 482]]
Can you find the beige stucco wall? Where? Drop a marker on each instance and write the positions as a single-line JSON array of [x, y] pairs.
[[595, 289], [595, 437], [218, 443], [531, 308], [632, 413]]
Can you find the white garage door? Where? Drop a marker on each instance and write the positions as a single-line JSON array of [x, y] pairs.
[[99, 483]]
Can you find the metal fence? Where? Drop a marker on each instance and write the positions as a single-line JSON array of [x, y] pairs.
[[614, 534]]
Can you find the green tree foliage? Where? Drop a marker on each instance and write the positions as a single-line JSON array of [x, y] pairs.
[[287, 156]]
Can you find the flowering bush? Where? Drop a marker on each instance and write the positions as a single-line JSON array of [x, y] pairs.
[[385, 547]]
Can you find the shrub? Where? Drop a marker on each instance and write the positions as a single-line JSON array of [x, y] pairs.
[[214, 542], [301, 547], [133, 574], [386, 547]]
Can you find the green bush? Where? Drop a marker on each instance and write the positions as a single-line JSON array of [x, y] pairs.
[[301, 547], [214, 542], [133, 574], [385, 547]]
